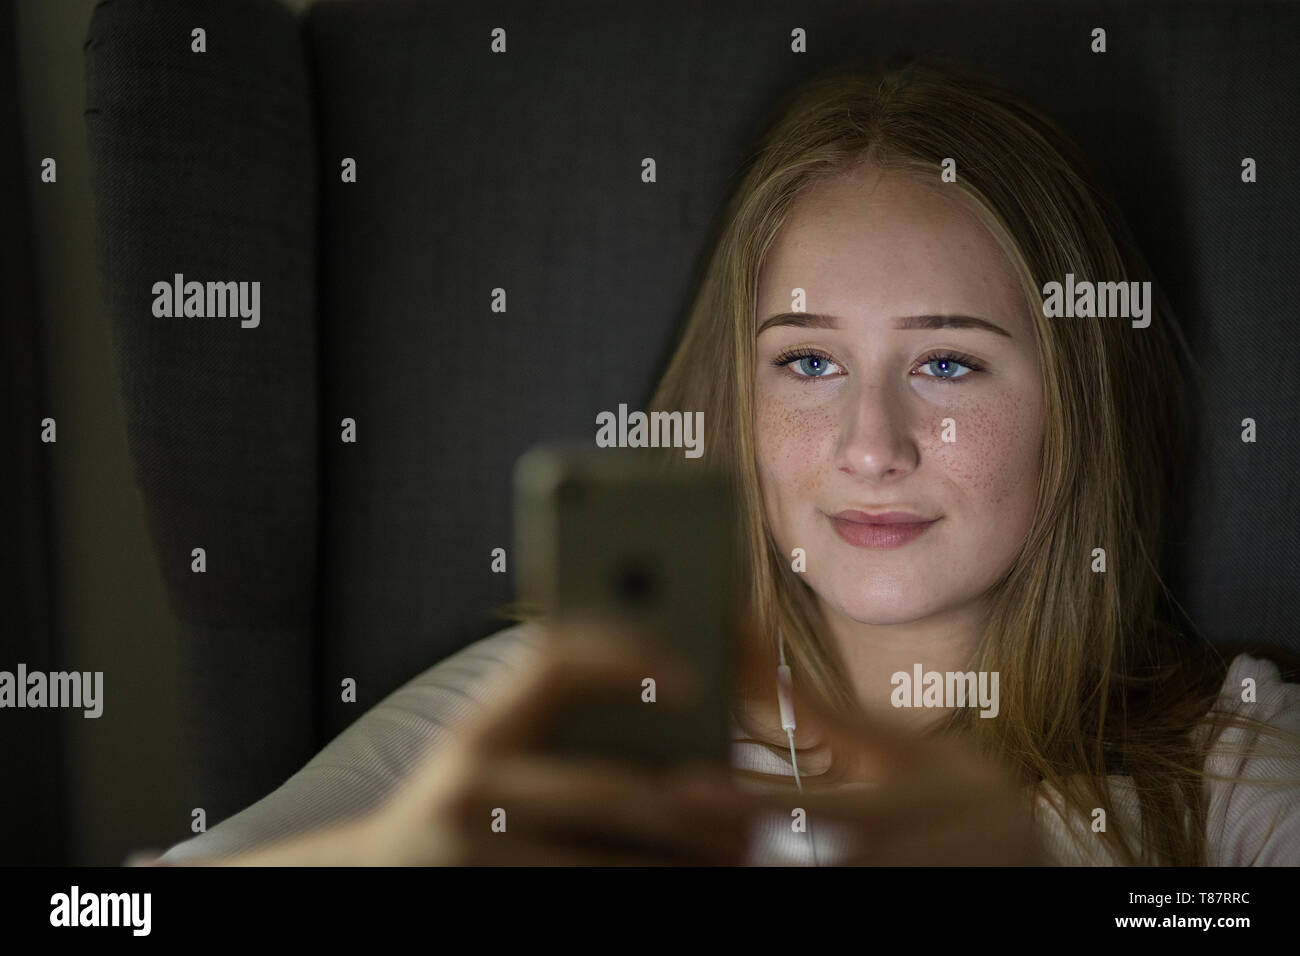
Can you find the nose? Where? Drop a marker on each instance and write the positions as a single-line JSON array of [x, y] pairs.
[[876, 441]]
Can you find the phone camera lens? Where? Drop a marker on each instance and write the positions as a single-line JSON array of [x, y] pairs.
[[634, 584]]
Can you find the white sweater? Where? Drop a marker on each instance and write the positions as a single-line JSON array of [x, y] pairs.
[[356, 771]]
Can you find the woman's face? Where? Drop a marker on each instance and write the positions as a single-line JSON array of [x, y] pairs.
[[857, 417]]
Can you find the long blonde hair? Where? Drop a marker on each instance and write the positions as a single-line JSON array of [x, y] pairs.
[[1093, 682]]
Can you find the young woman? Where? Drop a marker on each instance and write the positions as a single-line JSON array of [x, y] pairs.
[[934, 477]]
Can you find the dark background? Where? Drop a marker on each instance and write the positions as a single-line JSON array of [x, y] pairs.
[[478, 171]]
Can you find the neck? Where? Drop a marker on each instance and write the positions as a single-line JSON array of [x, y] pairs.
[[873, 653]]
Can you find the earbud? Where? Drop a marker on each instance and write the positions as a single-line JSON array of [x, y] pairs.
[[784, 687]]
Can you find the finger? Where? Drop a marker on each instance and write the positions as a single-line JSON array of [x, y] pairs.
[[604, 801], [579, 664], [947, 842], [920, 818], [870, 808]]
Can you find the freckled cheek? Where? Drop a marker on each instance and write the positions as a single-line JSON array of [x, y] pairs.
[[995, 459], [791, 445]]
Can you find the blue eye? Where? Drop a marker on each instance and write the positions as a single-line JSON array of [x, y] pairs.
[[814, 366], [809, 364], [946, 367], [941, 366]]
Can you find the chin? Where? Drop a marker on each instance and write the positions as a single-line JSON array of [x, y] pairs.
[[881, 609], [880, 597], [876, 601]]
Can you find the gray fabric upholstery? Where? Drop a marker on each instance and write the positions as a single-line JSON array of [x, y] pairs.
[[205, 166], [521, 171]]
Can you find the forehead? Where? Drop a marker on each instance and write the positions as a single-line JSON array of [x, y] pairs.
[[872, 244]]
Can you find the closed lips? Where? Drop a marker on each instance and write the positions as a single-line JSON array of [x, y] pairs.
[[884, 517], [883, 530]]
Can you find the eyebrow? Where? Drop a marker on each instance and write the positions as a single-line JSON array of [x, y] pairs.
[[813, 320]]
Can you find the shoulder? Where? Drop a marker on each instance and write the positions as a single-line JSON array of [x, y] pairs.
[[1253, 687], [1067, 835], [1253, 816], [1275, 697]]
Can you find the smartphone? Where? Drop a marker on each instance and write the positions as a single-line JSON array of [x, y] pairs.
[[610, 535]]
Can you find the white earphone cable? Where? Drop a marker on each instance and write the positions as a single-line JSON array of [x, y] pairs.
[[785, 700]]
